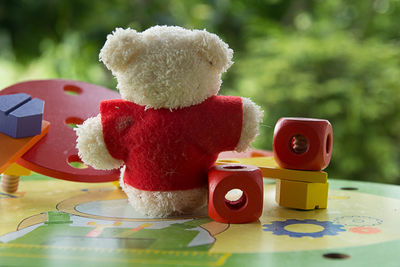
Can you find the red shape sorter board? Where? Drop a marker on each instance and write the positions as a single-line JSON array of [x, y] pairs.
[[66, 102]]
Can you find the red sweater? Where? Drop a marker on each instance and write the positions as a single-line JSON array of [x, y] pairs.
[[167, 150]]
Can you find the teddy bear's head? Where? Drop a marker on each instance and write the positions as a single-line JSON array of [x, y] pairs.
[[166, 66]]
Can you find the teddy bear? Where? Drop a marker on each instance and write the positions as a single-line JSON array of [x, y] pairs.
[[170, 125]]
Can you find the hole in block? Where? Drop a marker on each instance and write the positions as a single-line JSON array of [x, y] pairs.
[[349, 188], [234, 167], [328, 144], [72, 90], [299, 144], [233, 194], [235, 199], [339, 256], [75, 162], [73, 122]]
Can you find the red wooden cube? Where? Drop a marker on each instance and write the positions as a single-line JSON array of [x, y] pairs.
[[224, 178], [303, 143]]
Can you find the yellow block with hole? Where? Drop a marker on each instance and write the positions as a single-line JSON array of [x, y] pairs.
[[17, 170], [301, 195], [270, 169]]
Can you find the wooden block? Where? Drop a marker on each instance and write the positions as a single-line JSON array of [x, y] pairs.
[[12, 101], [303, 143], [270, 169], [301, 195], [20, 116], [248, 207], [17, 170], [12, 149]]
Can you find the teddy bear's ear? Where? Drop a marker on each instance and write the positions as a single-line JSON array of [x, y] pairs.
[[214, 50], [120, 49]]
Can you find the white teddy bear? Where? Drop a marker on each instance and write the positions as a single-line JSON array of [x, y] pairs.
[[170, 125]]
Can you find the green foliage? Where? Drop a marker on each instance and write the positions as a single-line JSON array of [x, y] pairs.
[[351, 83], [71, 59], [335, 59]]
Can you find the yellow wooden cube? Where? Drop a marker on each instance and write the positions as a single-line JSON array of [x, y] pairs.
[[301, 195]]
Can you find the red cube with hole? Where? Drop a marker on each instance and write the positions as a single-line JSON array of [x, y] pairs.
[[224, 178], [303, 143]]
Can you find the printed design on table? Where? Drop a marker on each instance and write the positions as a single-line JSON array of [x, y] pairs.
[[301, 228], [7, 196], [357, 221], [365, 230], [11, 196], [60, 228], [62, 235], [139, 239], [99, 228]]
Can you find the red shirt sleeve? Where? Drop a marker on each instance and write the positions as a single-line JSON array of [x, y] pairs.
[[117, 118], [216, 124]]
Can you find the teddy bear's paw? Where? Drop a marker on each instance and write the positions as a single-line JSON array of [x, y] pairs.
[[91, 146], [164, 204], [252, 117]]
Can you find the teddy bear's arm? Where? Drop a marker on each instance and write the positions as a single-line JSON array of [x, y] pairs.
[[252, 117], [91, 146]]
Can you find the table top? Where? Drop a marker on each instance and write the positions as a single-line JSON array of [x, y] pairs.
[[52, 222]]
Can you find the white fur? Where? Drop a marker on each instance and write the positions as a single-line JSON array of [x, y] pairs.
[[252, 117], [169, 67], [166, 203], [91, 146]]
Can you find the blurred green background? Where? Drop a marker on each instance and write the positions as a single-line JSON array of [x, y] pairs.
[[338, 60]]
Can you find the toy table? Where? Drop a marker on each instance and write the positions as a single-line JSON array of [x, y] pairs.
[[52, 222]]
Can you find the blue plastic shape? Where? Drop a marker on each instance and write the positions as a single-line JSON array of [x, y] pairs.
[[20, 115]]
